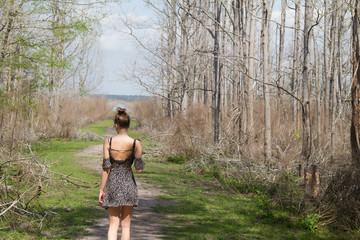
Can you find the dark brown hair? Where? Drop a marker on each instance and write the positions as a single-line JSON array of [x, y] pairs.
[[122, 119]]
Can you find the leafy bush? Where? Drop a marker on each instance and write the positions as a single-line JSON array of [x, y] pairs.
[[311, 222]]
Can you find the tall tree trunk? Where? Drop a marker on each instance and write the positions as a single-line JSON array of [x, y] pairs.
[[295, 67], [171, 72], [236, 52], [279, 74], [266, 78], [318, 93], [326, 73], [333, 73], [251, 66], [184, 61], [355, 87], [217, 73], [306, 145]]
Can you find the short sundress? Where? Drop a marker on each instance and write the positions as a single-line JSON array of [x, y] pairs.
[[121, 187]]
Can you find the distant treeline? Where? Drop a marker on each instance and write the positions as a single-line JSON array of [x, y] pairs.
[[127, 98]]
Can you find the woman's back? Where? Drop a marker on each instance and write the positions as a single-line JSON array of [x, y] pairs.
[[121, 147]]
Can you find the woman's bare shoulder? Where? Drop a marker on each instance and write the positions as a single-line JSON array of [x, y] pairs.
[[123, 139]]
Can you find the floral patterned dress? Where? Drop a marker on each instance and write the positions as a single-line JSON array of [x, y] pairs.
[[121, 187]]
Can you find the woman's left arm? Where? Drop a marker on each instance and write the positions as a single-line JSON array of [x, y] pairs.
[[105, 171], [139, 162]]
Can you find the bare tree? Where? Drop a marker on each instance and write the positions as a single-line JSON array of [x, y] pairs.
[[307, 71], [295, 65], [217, 71], [251, 64], [266, 76], [279, 74]]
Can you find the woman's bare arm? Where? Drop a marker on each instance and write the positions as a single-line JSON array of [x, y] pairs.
[[105, 170], [138, 155]]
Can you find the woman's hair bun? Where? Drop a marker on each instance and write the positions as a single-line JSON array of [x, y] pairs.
[[122, 119], [121, 110]]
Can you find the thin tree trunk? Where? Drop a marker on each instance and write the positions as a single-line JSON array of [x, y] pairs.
[[251, 66], [334, 74], [217, 73], [306, 145], [318, 93], [266, 79], [326, 73], [172, 58], [236, 52], [279, 74], [295, 70]]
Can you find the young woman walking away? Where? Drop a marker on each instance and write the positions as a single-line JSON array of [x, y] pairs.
[[121, 194]]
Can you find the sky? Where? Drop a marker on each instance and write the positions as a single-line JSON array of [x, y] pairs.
[[119, 50]]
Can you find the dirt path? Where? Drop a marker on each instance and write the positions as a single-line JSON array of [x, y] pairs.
[[145, 224]]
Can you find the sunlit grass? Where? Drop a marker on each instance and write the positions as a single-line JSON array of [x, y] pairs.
[[70, 209], [202, 209], [98, 128]]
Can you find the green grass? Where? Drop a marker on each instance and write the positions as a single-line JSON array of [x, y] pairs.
[[202, 209], [70, 208], [98, 128]]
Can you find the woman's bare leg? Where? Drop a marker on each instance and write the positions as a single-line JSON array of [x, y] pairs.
[[125, 222], [114, 220]]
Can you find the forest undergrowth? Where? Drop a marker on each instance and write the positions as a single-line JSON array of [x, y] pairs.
[[237, 163], [31, 177]]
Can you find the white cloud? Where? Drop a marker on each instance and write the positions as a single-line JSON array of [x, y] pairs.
[[116, 33], [115, 42], [118, 22]]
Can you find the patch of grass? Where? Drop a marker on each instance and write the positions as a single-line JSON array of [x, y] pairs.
[[98, 128], [203, 209], [177, 159], [70, 209]]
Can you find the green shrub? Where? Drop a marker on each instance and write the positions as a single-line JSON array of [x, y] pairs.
[[311, 222]]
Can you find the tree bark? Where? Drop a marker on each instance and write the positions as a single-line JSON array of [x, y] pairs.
[[318, 93], [217, 73], [251, 66], [295, 65], [172, 75], [306, 145], [355, 87], [266, 78], [333, 73], [279, 74], [326, 92]]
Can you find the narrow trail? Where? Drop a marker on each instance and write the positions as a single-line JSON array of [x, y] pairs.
[[145, 223]]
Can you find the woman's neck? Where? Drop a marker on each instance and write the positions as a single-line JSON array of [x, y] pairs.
[[122, 131]]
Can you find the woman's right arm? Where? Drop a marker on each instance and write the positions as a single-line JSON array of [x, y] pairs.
[[105, 171]]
